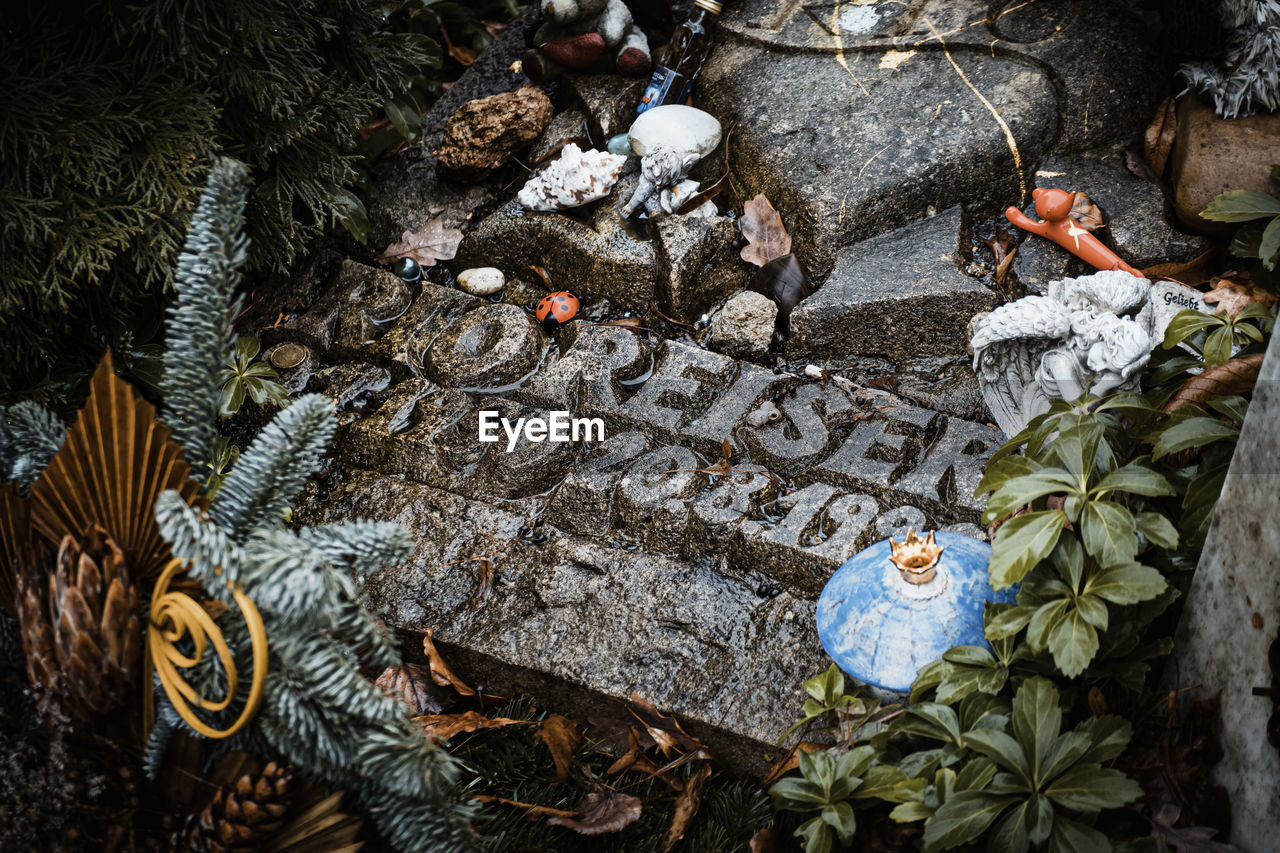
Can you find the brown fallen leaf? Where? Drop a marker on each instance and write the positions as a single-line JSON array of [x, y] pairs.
[[1137, 166], [790, 761], [484, 574], [1233, 291], [1085, 213], [1193, 272], [464, 55], [664, 730], [1231, 377], [764, 841], [1157, 141], [625, 761], [1097, 702], [716, 188], [440, 672], [600, 813], [430, 243], [766, 237], [533, 812], [687, 805], [631, 324], [541, 272], [561, 736], [441, 727], [1003, 250], [413, 685]]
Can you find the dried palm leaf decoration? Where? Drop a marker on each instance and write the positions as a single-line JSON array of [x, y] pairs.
[[116, 461], [15, 533]]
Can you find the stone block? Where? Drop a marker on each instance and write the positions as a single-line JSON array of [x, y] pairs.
[[900, 295], [697, 264], [357, 306], [1213, 155], [490, 348]]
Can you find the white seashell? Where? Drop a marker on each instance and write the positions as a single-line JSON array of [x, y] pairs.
[[686, 130], [482, 281], [576, 178]]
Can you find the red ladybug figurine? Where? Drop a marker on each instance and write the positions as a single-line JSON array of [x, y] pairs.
[[556, 309]]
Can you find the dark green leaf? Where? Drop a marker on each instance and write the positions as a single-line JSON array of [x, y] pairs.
[[1009, 834], [1135, 479], [1073, 642], [909, 812], [961, 819], [1108, 532], [839, 816], [1037, 719], [1045, 620], [817, 836], [1247, 242], [1003, 750], [1108, 737], [1021, 491], [1186, 323], [1217, 347], [1093, 610], [1126, 583], [1158, 530], [1192, 432], [1023, 542], [1000, 471], [798, 793], [1071, 836], [932, 720], [1241, 206], [1091, 788], [1008, 621]]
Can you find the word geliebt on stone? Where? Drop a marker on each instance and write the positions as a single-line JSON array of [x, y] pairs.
[[558, 426]]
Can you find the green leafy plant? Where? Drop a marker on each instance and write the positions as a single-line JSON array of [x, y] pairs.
[[1260, 238], [242, 376], [1030, 784], [225, 456], [828, 699], [833, 787]]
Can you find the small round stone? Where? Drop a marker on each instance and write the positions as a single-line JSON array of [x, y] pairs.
[[482, 281], [407, 269]]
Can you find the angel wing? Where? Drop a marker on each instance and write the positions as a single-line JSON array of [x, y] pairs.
[[1008, 345]]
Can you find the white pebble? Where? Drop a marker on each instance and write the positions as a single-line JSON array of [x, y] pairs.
[[481, 281]]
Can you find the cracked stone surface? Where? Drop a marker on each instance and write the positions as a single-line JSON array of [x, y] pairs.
[[883, 132]]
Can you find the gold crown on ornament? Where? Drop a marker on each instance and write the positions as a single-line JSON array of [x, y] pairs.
[[915, 556]]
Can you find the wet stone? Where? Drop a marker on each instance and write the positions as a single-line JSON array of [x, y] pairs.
[[297, 365], [821, 528], [811, 423], [588, 250], [567, 124], [719, 510], [405, 344], [487, 348], [684, 383], [356, 308], [899, 295], [704, 646], [697, 264], [654, 495], [583, 503], [896, 522], [608, 102], [350, 385]]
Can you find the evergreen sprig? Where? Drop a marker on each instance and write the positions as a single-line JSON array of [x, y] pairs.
[[29, 438], [199, 319]]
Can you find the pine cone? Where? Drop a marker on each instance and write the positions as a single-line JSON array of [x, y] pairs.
[[80, 624], [242, 813]]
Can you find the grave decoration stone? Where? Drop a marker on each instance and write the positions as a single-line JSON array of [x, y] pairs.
[[1226, 640]]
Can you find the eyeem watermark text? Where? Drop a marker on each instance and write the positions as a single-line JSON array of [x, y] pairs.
[[558, 426]]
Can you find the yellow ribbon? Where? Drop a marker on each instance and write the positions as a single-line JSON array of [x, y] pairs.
[[176, 615]]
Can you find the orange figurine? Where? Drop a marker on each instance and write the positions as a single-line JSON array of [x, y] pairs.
[[1054, 206]]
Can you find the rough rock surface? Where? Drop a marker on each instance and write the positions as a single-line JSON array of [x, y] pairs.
[[1212, 155], [743, 328], [901, 294], [483, 133], [655, 574]]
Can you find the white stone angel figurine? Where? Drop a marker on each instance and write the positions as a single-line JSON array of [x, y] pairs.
[[1094, 333]]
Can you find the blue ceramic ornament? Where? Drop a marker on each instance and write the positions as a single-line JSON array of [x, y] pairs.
[[895, 607]]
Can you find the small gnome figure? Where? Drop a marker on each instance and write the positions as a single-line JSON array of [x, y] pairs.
[[586, 36]]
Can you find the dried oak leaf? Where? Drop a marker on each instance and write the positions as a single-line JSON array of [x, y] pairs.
[[686, 809], [1231, 377], [1157, 141], [785, 282], [562, 737], [664, 730], [1085, 213], [441, 727], [766, 237], [440, 672], [764, 841], [413, 685], [430, 243], [1236, 292], [600, 814]]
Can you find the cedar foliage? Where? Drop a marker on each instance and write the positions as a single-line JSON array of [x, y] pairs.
[[113, 113]]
